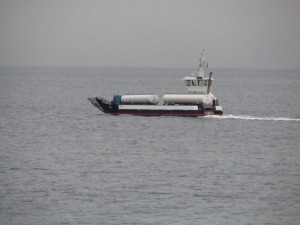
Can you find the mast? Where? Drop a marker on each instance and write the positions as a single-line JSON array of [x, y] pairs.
[[202, 66]]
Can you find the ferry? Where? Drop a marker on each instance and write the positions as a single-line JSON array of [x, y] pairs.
[[198, 101]]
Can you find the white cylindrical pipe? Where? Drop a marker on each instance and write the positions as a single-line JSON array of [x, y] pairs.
[[187, 99], [139, 99]]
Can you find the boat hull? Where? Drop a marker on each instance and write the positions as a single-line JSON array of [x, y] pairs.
[[152, 110]]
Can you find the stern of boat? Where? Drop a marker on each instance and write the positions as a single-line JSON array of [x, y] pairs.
[[218, 110]]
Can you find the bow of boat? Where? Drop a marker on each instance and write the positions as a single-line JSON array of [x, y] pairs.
[[100, 103]]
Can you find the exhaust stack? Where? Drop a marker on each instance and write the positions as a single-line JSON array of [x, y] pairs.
[[209, 83]]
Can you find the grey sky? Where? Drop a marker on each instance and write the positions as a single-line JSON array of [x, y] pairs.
[[153, 33]]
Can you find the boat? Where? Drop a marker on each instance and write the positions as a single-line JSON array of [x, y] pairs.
[[198, 101]]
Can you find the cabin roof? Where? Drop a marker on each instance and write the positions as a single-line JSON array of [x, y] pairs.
[[195, 78]]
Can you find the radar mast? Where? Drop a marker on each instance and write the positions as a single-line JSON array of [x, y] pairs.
[[202, 66]]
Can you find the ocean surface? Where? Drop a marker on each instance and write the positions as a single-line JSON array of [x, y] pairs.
[[62, 161]]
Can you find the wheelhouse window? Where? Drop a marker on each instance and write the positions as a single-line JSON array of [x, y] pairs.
[[191, 83], [200, 83]]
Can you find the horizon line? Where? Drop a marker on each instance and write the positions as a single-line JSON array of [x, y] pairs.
[[139, 67]]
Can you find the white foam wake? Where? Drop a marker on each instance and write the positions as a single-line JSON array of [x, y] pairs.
[[243, 117]]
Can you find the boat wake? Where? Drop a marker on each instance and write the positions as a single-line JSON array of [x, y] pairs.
[[244, 117]]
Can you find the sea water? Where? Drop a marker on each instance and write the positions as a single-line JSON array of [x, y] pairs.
[[62, 161]]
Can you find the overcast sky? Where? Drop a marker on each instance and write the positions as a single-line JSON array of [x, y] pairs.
[[150, 33]]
